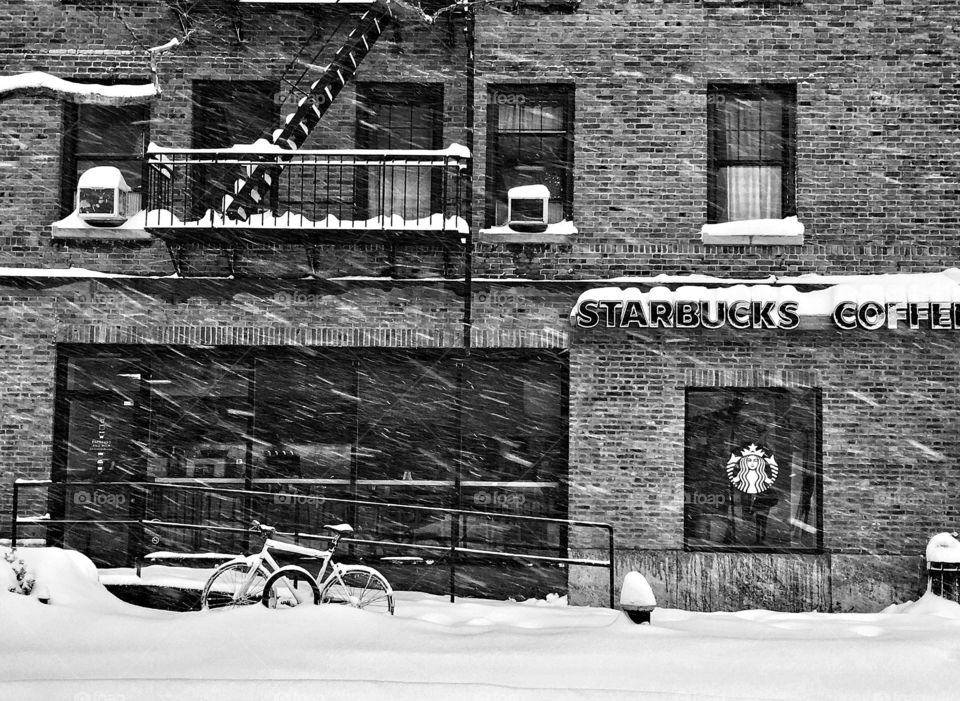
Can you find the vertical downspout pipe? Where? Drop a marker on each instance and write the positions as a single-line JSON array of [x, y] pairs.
[[455, 523]]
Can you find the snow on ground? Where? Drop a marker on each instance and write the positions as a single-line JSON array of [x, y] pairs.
[[87, 645]]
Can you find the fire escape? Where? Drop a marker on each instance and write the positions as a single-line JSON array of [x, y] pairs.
[[275, 191]]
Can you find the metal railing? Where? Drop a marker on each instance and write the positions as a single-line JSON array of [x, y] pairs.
[[309, 190], [133, 515]]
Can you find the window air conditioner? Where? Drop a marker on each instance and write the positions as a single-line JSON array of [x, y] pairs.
[[103, 197], [527, 208]]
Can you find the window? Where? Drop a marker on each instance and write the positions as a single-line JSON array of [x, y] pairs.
[[399, 116], [225, 113], [752, 144], [95, 135], [752, 476], [485, 433], [530, 142]]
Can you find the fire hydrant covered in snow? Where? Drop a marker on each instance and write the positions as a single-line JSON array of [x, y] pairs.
[[636, 597]]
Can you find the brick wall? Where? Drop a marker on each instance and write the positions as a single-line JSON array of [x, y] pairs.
[[877, 130]]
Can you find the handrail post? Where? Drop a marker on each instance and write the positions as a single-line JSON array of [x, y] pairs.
[[13, 517], [613, 578], [454, 540]]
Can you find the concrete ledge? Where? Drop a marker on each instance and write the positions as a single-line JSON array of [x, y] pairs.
[[759, 240]]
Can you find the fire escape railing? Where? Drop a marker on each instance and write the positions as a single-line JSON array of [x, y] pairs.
[[313, 190]]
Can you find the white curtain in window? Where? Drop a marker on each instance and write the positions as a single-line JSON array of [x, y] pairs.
[[753, 192]]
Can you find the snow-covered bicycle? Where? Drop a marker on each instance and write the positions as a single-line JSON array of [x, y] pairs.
[[258, 578]]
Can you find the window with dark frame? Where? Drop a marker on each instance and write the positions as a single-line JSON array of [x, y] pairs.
[[98, 135], [399, 116], [226, 113], [530, 142], [751, 151], [752, 469], [376, 425]]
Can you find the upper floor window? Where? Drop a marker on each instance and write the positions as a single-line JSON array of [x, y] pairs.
[[227, 113], [530, 142], [399, 116], [96, 135], [751, 152]]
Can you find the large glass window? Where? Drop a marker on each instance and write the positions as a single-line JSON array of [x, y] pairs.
[[530, 142], [751, 151], [485, 432], [96, 135], [752, 476]]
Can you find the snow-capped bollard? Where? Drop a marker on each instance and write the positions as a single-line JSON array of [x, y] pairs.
[[636, 597], [943, 566]]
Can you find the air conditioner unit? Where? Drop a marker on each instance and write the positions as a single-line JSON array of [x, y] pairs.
[[527, 207], [103, 197]]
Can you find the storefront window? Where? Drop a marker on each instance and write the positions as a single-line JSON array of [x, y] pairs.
[[430, 428], [752, 475]]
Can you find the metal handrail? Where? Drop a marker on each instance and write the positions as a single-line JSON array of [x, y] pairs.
[[453, 549]]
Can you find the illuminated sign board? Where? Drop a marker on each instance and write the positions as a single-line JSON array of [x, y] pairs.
[[653, 314], [635, 310]]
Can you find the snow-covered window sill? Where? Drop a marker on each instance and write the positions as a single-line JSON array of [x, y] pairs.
[[561, 232], [73, 228], [754, 232]]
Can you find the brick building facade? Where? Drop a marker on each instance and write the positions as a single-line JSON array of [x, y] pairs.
[[624, 109]]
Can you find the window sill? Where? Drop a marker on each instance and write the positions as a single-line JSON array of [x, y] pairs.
[[560, 232], [73, 228], [754, 232]]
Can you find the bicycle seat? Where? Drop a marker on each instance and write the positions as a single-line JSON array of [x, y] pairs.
[[341, 528]]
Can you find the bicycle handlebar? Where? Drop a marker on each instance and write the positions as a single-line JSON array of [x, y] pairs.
[[260, 528]]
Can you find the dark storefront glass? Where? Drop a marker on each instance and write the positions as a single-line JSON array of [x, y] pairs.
[[432, 428], [752, 475]]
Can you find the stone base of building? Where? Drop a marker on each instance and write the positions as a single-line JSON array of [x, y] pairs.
[[702, 581]]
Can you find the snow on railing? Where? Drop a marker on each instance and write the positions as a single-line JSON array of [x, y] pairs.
[[360, 189]]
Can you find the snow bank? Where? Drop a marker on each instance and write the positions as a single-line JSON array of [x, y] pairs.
[[92, 93], [943, 547], [70, 579], [927, 605]]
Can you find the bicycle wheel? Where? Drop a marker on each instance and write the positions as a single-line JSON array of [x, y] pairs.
[[223, 589], [362, 588], [288, 587]]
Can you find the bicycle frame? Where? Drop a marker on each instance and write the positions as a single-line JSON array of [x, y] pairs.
[[265, 560]]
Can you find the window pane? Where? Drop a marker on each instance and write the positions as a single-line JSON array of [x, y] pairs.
[[198, 418], [402, 117], [227, 113], [752, 192], [541, 117], [751, 471], [113, 130], [407, 424], [306, 417]]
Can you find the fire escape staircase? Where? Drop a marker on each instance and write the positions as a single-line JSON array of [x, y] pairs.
[[252, 190], [255, 191]]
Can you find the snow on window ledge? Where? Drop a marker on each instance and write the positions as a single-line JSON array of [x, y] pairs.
[[87, 93], [755, 232], [558, 232], [72, 227]]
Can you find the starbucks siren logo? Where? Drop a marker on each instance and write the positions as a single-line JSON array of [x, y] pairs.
[[753, 471]]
